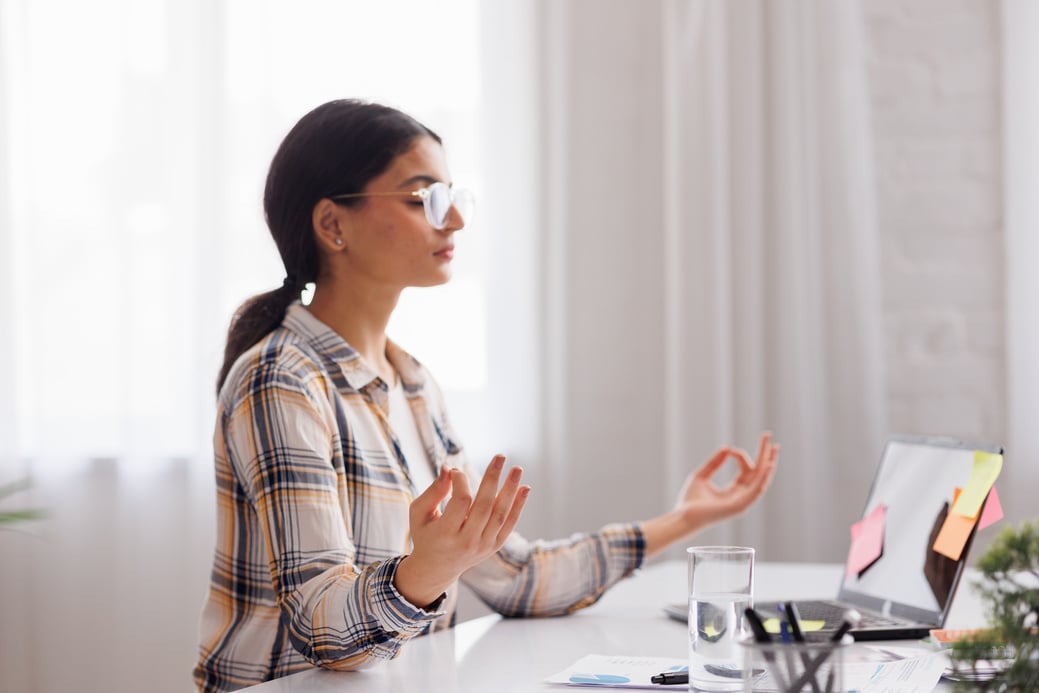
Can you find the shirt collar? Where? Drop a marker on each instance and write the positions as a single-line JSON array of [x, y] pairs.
[[334, 348]]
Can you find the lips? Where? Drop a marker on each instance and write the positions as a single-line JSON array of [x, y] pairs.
[[446, 252]]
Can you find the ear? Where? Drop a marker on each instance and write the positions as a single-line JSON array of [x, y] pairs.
[[327, 218]]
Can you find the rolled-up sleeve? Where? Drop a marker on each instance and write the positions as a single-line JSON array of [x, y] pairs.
[[549, 578]]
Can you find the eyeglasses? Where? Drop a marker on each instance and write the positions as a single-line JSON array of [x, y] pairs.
[[437, 201]]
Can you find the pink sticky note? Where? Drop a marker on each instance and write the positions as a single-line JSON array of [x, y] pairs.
[[993, 511], [867, 540]]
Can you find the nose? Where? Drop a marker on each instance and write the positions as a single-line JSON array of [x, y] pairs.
[[454, 220]]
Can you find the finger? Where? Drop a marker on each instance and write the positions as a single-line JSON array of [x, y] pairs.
[[503, 504], [714, 463], [481, 508], [773, 459], [513, 517], [461, 501], [763, 446], [743, 458], [764, 472], [427, 505]]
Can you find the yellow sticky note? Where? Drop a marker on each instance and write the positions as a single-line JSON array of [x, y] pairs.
[[772, 625], [987, 466]]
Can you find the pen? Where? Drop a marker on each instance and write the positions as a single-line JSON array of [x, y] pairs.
[[795, 621], [851, 619], [784, 637], [756, 626], [794, 617], [670, 677], [763, 638], [784, 627]]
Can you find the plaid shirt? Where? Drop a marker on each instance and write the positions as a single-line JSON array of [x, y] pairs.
[[312, 498]]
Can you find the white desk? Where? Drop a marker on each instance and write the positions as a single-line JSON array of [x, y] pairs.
[[514, 655]]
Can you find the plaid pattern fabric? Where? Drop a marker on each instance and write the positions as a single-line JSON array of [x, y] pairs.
[[312, 498]]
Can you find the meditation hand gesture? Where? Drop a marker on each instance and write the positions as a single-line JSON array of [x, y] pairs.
[[468, 530], [702, 503]]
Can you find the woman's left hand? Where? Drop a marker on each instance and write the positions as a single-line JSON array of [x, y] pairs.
[[701, 502]]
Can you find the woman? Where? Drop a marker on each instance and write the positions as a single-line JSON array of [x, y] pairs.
[[346, 513]]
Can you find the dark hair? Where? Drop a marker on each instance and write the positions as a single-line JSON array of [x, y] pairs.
[[336, 149]]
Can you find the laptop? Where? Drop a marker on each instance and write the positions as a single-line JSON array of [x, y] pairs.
[[908, 589]]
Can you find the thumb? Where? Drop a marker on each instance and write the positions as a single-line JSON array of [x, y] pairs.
[[426, 506]]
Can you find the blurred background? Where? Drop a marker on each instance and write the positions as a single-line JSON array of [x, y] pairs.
[[697, 219]]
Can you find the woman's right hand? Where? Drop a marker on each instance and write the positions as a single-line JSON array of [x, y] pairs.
[[468, 530]]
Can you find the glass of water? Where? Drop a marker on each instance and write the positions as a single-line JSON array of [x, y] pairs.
[[721, 586]]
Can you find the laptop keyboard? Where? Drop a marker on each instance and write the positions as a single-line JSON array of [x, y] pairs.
[[833, 614]]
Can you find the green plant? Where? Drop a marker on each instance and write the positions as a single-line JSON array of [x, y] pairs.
[[10, 517], [1010, 591]]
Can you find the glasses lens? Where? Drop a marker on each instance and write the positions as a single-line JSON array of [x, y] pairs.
[[438, 200], [438, 204], [464, 202]]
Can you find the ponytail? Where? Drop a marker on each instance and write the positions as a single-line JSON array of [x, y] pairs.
[[255, 319]]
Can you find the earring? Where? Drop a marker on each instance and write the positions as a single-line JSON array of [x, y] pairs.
[[339, 241]]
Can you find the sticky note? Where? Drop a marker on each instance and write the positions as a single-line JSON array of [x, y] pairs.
[[993, 511], [987, 466], [772, 626], [953, 535], [867, 541]]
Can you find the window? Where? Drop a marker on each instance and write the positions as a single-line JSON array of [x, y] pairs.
[[134, 161]]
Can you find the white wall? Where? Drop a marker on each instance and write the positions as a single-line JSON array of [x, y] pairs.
[[935, 81]]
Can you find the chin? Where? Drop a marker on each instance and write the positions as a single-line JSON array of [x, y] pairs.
[[438, 280]]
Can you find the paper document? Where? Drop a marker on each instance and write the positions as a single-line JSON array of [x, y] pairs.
[[609, 671], [862, 672]]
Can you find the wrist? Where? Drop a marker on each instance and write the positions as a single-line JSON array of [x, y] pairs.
[[418, 584], [664, 530]]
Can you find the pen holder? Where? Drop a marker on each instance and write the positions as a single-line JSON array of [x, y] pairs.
[[817, 667]]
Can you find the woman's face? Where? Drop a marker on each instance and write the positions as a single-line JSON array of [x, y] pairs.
[[387, 239]]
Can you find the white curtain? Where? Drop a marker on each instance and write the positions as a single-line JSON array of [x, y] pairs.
[[711, 259], [1020, 110], [134, 140]]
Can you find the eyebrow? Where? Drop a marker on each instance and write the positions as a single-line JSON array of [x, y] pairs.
[[421, 178]]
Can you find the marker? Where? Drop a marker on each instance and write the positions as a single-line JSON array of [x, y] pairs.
[[763, 638], [758, 628], [784, 627], [795, 629], [795, 621], [852, 618], [669, 678]]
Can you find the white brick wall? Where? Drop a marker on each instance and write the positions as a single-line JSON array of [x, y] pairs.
[[935, 80]]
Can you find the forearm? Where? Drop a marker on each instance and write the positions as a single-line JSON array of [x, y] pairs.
[[345, 620], [664, 530], [551, 578]]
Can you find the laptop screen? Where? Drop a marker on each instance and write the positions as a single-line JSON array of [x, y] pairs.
[[915, 482]]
